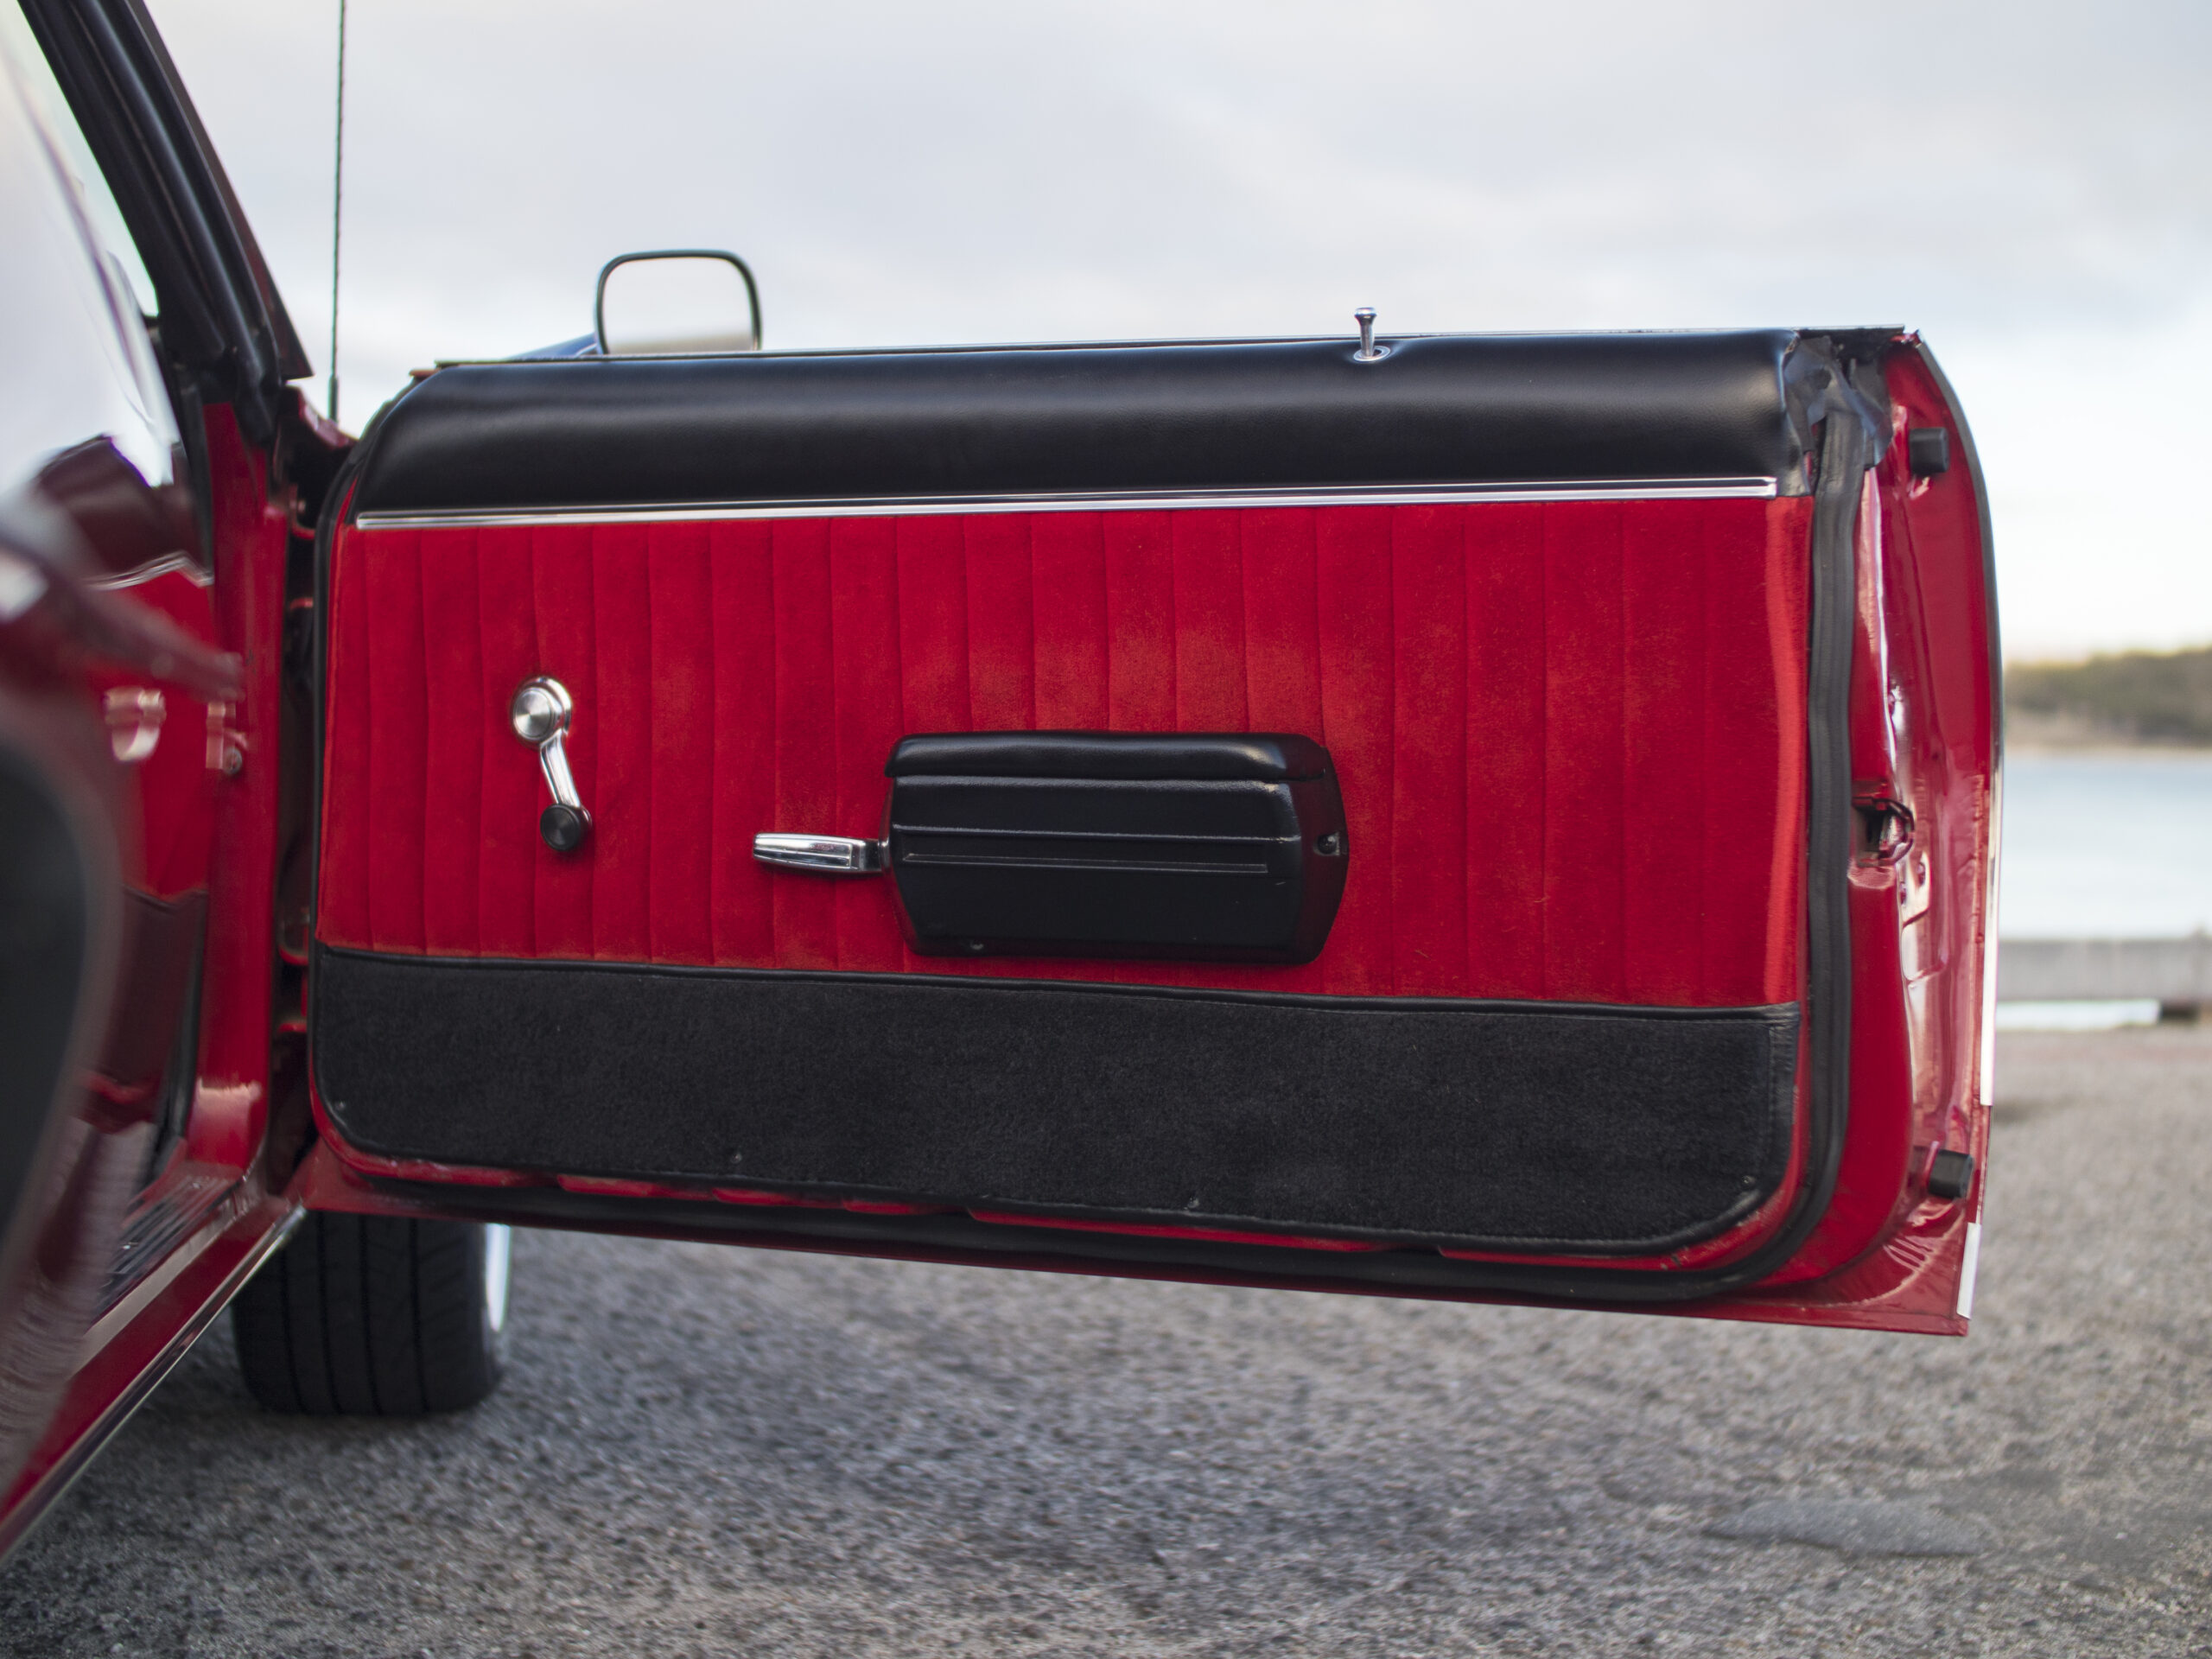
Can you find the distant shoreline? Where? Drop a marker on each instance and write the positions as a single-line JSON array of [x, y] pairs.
[[2138, 700]]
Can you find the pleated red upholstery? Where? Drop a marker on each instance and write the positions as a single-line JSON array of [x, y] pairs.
[[1570, 735]]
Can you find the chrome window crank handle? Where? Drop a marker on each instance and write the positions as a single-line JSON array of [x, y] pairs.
[[541, 714]]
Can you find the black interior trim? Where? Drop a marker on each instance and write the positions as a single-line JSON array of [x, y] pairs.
[[1190, 845], [1584, 1129], [618, 432]]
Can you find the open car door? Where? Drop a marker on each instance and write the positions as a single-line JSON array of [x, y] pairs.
[[1500, 818]]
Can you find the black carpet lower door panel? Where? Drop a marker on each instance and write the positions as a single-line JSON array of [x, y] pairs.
[[1422, 1121]]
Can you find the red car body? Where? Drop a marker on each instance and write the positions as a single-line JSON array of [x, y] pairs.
[[1693, 771]]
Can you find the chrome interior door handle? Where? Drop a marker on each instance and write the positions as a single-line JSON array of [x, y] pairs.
[[823, 854], [542, 713]]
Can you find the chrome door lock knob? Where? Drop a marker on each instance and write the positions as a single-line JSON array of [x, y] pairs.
[[1368, 351], [542, 713]]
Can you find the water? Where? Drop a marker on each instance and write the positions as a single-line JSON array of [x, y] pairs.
[[2104, 844], [2112, 844]]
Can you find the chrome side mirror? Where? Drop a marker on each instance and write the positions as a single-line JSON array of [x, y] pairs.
[[677, 302]]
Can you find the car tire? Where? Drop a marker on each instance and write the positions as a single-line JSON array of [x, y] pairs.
[[374, 1316]]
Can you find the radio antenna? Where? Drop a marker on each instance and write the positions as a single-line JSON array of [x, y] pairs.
[[337, 205]]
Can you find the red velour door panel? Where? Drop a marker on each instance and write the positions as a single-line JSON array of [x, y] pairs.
[[1572, 621], [1570, 736]]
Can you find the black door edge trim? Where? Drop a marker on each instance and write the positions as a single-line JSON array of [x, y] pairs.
[[961, 1241], [335, 498]]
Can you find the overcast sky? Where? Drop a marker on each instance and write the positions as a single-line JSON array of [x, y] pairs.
[[2030, 185]]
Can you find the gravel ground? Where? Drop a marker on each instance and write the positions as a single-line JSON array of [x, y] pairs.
[[703, 1450]]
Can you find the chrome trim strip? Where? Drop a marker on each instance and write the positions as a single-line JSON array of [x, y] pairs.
[[1968, 1266], [1658, 489], [214, 1217]]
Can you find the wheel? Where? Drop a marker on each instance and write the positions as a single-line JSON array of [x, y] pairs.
[[376, 1317]]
